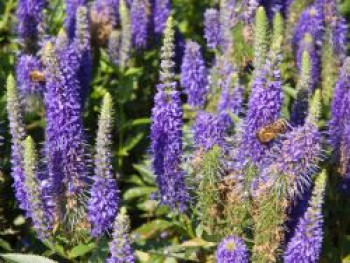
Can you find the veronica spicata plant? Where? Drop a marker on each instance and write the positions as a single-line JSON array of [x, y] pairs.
[[243, 131]]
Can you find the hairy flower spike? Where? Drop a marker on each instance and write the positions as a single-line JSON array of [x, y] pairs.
[[166, 130], [232, 95], [278, 27], [194, 79], [232, 249], [311, 21], [306, 244], [161, 12], [104, 200], [167, 65], [39, 213], [18, 134], [227, 21], [210, 130], [340, 107], [126, 37], [338, 27], [249, 10], [208, 193], [120, 247], [71, 11], [212, 32], [264, 107], [65, 138], [114, 43], [261, 39], [82, 44], [300, 152], [307, 44], [140, 22], [301, 104], [339, 123], [30, 19]]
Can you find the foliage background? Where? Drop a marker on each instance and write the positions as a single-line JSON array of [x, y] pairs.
[[153, 229]]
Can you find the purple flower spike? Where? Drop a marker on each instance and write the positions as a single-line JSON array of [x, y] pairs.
[[139, 23], [264, 108], [82, 42], [104, 201], [307, 44], [210, 130], [311, 21], [232, 96], [18, 135], [300, 152], [30, 18], [227, 21], [166, 130], [120, 247], [71, 10], [161, 13], [194, 79], [299, 155], [338, 26], [26, 66], [339, 125], [340, 33], [232, 250], [305, 245], [212, 28], [67, 159], [249, 9], [167, 147], [340, 108]]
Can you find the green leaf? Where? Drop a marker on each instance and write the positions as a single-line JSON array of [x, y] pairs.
[[101, 252], [133, 71], [130, 143], [149, 206], [57, 248], [197, 242], [81, 250], [145, 172], [136, 192], [134, 179], [5, 245], [25, 258], [134, 123], [150, 229]]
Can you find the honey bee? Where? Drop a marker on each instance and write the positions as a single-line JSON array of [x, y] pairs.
[[101, 27], [37, 76], [271, 131]]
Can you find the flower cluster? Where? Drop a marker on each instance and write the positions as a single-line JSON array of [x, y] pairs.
[[305, 245], [232, 249], [30, 22], [194, 75], [104, 201], [166, 130]]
